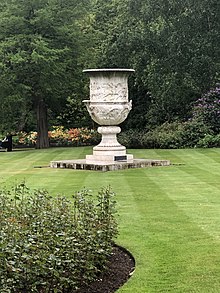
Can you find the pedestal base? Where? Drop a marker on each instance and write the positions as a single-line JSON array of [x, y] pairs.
[[109, 150], [109, 158], [103, 166]]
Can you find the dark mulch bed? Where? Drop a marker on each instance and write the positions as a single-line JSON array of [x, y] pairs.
[[120, 267]]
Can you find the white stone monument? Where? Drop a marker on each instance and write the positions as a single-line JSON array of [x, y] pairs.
[[109, 106]]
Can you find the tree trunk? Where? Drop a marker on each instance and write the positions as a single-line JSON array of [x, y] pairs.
[[42, 125]]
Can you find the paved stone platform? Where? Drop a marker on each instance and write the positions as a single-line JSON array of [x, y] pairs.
[[103, 166]]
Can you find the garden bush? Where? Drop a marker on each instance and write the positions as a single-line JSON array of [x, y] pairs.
[[193, 131], [168, 135], [53, 244], [209, 141], [131, 138], [207, 109]]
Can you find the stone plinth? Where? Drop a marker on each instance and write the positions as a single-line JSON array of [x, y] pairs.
[[107, 166]]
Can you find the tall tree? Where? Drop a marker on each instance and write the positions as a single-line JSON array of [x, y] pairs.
[[173, 45], [40, 45]]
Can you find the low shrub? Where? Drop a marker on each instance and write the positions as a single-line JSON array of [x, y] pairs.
[[53, 244], [164, 136], [209, 141], [194, 131], [131, 138], [168, 135]]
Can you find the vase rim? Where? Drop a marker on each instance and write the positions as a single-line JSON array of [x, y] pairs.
[[109, 70]]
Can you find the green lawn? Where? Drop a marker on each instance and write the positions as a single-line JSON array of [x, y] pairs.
[[169, 217]]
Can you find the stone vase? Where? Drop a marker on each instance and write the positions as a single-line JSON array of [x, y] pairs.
[[109, 106]]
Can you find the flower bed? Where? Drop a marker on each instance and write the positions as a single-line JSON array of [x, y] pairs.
[[59, 136]]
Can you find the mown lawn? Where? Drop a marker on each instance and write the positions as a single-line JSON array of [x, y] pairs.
[[169, 217]]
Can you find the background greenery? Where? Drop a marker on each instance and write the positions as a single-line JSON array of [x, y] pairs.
[[44, 46], [168, 216]]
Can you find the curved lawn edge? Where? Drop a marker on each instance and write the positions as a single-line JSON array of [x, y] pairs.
[[120, 267]]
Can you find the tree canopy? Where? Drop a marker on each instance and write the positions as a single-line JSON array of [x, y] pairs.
[[173, 46], [44, 46], [40, 48]]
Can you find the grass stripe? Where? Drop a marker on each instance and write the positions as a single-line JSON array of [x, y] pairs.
[[169, 217], [167, 256]]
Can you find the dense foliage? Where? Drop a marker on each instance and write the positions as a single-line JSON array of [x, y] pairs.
[[201, 130], [44, 46], [172, 45], [53, 244], [173, 135], [41, 48]]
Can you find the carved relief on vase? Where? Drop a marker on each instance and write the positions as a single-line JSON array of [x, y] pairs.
[[109, 113], [103, 91]]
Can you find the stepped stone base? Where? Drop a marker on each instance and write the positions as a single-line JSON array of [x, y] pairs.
[[107, 166]]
